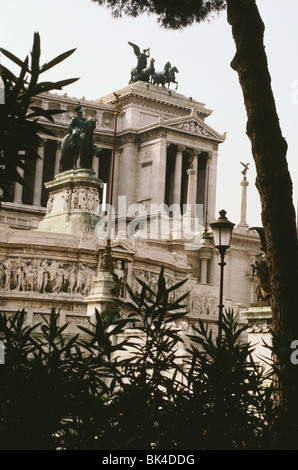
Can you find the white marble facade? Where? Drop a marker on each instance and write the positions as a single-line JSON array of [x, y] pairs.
[[160, 135]]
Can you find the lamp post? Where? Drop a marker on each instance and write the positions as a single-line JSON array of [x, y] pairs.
[[222, 234]]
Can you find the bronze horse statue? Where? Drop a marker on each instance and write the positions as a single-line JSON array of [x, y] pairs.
[[147, 74], [160, 78], [81, 148], [171, 78], [166, 77]]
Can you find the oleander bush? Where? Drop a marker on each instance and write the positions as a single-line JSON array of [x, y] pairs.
[[107, 390]]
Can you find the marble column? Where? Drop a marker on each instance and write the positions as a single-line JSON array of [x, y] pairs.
[[211, 174], [95, 164], [57, 157], [190, 191], [128, 177], [195, 180], [159, 172], [204, 270], [192, 185], [206, 197], [178, 176], [38, 177], [18, 189], [243, 223]]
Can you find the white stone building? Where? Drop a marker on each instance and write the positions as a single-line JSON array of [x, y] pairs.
[[160, 136]]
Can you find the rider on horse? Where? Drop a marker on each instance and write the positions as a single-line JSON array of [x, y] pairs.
[[76, 125]]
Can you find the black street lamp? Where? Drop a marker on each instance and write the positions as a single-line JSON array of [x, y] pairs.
[[222, 235]]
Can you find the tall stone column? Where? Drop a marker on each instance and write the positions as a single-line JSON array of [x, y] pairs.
[[95, 164], [57, 157], [178, 176], [206, 197], [204, 270], [116, 182], [191, 229], [195, 180], [38, 177], [191, 191], [211, 174], [18, 189], [159, 172], [128, 177], [243, 223], [192, 185]]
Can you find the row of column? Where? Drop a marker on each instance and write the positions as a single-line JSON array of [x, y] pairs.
[[192, 176], [38, 177]]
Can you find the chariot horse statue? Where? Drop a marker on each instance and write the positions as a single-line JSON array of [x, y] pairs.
[[166, 77], [78, 145]]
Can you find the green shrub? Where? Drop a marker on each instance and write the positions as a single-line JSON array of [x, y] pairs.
[[127, 389]]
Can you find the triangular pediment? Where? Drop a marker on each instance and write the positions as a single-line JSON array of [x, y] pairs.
[[193, 125], [123, 247]]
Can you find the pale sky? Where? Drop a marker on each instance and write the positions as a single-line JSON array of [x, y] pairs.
[[202, 54]]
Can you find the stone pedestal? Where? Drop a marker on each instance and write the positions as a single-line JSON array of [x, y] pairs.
[[101, 296], [73, 202]]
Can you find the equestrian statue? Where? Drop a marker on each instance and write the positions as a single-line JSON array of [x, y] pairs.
[[78, 144]]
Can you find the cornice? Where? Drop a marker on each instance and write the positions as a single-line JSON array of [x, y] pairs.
[[142, 92]]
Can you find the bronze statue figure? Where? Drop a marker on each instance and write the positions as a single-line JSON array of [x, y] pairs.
[[260, 269], [142, 62], [78, 144], [76, 124], [245, 168], [147, 74]]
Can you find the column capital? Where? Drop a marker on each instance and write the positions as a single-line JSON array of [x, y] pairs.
[[244, 183], [180, 148]]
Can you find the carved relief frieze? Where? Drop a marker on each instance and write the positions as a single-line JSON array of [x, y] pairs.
[[193, 127], [43, 276], [84, 199]]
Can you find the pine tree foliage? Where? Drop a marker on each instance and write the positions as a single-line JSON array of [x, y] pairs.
[[171, 14]]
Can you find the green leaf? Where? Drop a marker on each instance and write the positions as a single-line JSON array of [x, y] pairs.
[[56, 61], [35, 57], [47, 113], [44, 87], [12, 57]]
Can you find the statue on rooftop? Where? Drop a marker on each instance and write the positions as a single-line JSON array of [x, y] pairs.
[[142, 57]]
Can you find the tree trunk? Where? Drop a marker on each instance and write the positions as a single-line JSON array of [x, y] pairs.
[[269, 150]]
